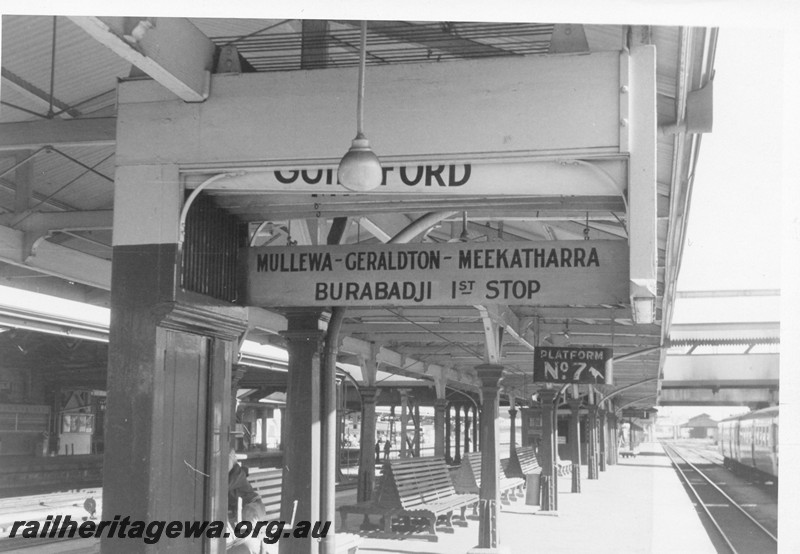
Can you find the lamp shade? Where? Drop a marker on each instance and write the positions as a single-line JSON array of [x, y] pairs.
[[360, 169]]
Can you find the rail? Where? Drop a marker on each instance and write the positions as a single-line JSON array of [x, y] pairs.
[[677, 458]]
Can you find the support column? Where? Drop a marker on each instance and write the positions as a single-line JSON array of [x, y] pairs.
[[170, 357], [366, 464], [592, 450], [300, 498], [467, 421], [488, 533], [475, 427], [512, 412], [403, 422], [603, 440], [457, 457], [575, 442], [417, 427], [547, 451], [441, 441], [448, 455], [264, 418], [439, 431], [524, 428]]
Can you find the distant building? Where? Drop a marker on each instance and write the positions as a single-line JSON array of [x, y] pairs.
[[701, 427]]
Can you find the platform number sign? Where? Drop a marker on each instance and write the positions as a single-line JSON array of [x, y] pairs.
[[572, 365]]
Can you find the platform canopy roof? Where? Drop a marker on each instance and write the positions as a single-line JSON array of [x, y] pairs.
[[58, 146]]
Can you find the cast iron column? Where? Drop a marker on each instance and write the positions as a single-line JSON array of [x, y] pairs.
[[575, 442], [457, 457], [592, 450], [302, 453], [439, 433], [366, 464], [403, 423], [513, 439], [547, 451], [467, 421], [602, 433], [488, 535], [448, 456], [475, 428]]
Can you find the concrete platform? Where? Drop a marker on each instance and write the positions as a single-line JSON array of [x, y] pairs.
[[637, 506]]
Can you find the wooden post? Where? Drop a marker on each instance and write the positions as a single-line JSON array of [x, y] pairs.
[[575, 443], [300, 499]]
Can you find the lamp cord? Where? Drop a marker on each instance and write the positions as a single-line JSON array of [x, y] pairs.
[[362, 62]]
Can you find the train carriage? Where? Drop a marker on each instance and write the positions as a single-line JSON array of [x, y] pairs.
[[749, 443]]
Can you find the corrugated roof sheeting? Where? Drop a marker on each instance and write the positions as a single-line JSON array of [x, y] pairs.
[[10, 95], [88, 191], [82, 70], [230, 27]]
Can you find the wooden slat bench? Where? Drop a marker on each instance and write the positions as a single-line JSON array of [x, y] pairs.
[[468, 479], [414, 488], [523, 462], [564, 467], [268, 484]]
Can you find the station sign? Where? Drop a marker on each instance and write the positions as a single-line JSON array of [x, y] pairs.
[[572, 365], [452, 274], [440, 178]]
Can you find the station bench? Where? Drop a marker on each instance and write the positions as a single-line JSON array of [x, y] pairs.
[[468, 479], [268, 484], [414, 488], [523, 462]]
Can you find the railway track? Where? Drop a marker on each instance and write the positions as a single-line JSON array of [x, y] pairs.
[[738, 531]]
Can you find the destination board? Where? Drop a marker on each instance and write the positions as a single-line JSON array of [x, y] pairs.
[[573, 365], [453, 274]]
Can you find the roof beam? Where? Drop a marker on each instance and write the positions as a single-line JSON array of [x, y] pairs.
[[170, 50], [42, 222], [50, 258], [365, 349], [36, 94], [100, 131]]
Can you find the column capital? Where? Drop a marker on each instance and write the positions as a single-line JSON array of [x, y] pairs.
[[574, 404], [512, 412], [546, 396], [440, 403], [310, 336], [489, 374], [369, 394]]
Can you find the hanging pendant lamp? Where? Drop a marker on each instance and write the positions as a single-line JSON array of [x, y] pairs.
[[360, 169]]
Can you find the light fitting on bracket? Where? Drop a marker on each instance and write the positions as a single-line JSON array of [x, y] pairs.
[[360, 169]]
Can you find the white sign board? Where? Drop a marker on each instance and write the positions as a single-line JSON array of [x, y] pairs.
[[544, 177], [455, 274]]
